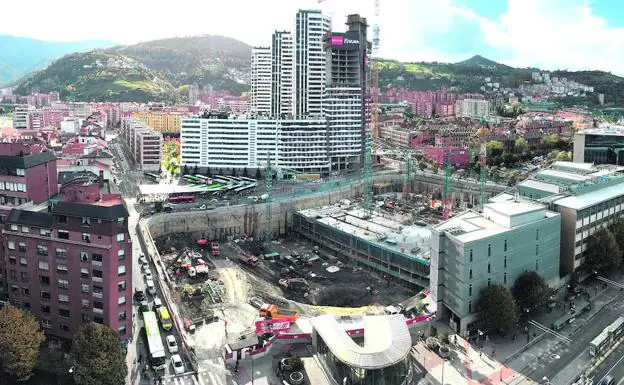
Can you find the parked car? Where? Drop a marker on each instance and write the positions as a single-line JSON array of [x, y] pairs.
[[157, 303], [151, 289], [145, 268], [143, 260], [176, 362], [139, 295], [144, 306], [172, 344], [148, 275]]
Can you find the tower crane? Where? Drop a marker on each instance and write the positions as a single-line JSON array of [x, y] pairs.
[[268, 178], [482, 174], [446, 193]]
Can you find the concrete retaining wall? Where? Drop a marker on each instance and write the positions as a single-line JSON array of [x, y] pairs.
[[252, 219]]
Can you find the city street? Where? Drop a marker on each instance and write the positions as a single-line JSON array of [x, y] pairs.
[[612, 365], [129, 186]]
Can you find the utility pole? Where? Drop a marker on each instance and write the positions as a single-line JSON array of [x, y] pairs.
[[268, 178], [409, 167]]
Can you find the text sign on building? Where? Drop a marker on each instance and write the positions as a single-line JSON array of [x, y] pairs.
[[345, 41], [271, 326]]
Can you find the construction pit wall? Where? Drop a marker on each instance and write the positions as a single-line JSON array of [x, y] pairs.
[[221, 223]]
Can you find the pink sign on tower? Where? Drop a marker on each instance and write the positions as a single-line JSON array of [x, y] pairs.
[[337, 40]]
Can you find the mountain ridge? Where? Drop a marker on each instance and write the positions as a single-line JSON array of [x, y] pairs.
[[21, 55], [161, 70]]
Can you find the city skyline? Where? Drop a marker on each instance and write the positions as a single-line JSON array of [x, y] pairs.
[[557, 34]]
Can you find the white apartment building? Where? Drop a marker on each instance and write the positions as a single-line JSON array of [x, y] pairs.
[[20, 118], [298, 144], [472, 108], [309, 69], [281, 73], [145, 144], [261, 80]]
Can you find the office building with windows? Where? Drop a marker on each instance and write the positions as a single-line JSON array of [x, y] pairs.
[[344, 97], [587, 196], [379, 356], [261, 80], [603, 144], [281, 73], [145, 144], [473, 250], [309, 66], [214, 140], [69, 260], [472, 108]]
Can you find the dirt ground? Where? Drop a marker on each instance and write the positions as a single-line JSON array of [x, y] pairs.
[[351, 290]]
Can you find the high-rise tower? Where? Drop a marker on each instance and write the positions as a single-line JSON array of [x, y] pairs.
[[261, 80], [281, 73], [344, 98], [309, 67]]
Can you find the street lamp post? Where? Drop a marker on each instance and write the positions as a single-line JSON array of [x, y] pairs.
[[546, 381]]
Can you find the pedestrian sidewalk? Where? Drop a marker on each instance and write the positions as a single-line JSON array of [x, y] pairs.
[[524, 345], [465, 365], [259, 371]]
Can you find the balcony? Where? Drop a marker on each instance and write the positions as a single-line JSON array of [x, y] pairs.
[[97, 295], [98, 311], [96, 263], [96, 279]]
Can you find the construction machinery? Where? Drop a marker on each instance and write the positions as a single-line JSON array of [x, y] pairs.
[[295, 284], [271, 311], [215, 249]]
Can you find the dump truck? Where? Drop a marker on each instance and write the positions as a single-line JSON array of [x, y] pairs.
[[271, 311], [216, 251], [250, 260]]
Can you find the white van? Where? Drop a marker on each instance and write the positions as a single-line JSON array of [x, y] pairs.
[[150, 287]]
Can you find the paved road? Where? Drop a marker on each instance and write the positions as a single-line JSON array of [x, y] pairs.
[[203, 378], [613, 365], [554, 361]]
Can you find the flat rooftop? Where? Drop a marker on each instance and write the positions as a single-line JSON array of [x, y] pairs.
[[470, 226], [384, 230], [607, 129], [539, 185], [581, 201]]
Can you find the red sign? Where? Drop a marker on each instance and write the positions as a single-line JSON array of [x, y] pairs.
[[271, 326]]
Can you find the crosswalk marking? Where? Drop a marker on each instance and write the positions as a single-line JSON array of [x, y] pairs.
[[204, 378]]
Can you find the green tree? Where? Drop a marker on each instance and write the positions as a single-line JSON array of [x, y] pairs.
[[195, 170], [422, 165], [494, 148], [245, 172], [208, 172], [233, 172], [221, 171], [564, 156], [617, 228], [435, 167], [258, 174], [551, 140], [185, 170], [531, 291], [97, 356], [497, 309], [521, 145], [20, 339], [603, 252]]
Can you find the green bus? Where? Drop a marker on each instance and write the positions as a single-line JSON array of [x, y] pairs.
[[271, 256], [155, 347]]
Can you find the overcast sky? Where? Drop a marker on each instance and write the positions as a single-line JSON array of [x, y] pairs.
[[551, 34]]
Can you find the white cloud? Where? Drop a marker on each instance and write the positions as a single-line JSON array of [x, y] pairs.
[[546, 33], [556, 34]]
